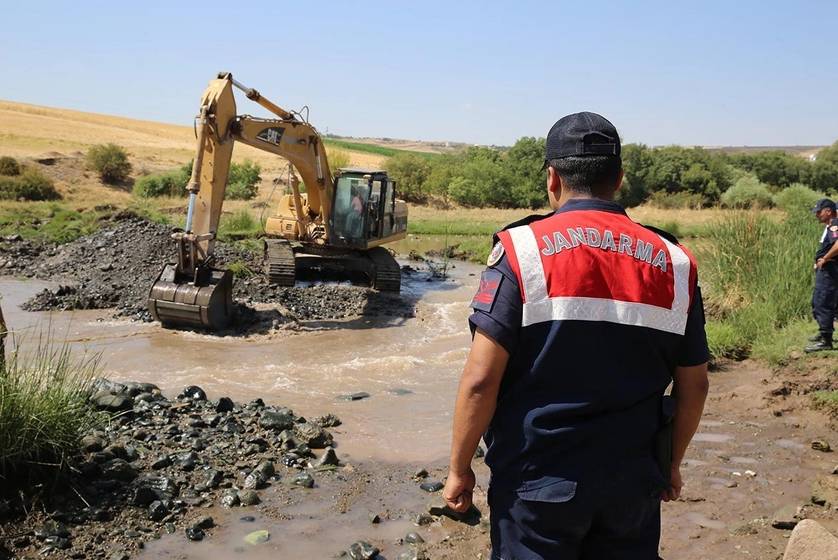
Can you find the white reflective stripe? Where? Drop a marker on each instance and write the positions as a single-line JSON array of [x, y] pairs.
[[529, 263], [608, 310], [673, 320], [681, 273]]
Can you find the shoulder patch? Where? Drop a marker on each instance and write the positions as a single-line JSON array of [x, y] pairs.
[[497, 254], [490, 282]]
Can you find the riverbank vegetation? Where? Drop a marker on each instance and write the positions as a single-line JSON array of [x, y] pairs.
[[43, 406]]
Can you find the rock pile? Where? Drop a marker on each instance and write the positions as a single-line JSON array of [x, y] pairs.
[[159, 459], [115, 267]]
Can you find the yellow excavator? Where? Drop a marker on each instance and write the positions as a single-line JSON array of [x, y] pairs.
[[336, 227]]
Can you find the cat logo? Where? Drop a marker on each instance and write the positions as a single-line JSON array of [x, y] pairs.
[[271, 135]]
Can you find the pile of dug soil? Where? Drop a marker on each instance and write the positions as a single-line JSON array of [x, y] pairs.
[[115, 267]]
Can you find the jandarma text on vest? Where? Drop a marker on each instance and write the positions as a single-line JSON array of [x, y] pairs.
[[606, 241]]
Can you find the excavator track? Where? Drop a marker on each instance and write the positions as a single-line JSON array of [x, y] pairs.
[[387, 272], [279, 262]]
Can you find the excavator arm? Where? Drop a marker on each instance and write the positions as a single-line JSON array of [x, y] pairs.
[[193, 292]]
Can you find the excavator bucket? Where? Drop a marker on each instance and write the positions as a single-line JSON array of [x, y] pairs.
[[181, 302]]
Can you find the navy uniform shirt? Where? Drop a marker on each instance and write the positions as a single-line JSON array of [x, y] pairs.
[[830, 236], [577, 397]]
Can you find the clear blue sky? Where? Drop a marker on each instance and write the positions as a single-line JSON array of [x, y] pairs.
[[707, 73]]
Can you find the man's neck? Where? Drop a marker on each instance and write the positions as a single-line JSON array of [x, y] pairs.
[[572, 195]]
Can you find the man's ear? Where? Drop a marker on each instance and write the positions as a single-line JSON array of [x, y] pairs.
[[619, 181], [554, 182]]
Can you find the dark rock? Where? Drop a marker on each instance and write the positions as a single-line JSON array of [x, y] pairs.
[[313, 435], [328, 421], [187, 461], [248, 497], [140, 434], [266, 468], [362, 550], [420, 474], [224, 404], [161, 462], [157, 511], [470, 517], [56, 542], [52, 528], [785, 517], [254, 481], [203, 522], [197, 423], [150, 488], [256, 403], [276, 420], [194, 534], [101, 457], [91, 443], [117, 451], [193, 392], [133, 388], [432, 486], [303, 479], [375, 519], [329, 458], [119, 469], [423, 519], [400, 392], [144, 397], [354, 396], [214, 478], [247, 519], [113, 403]]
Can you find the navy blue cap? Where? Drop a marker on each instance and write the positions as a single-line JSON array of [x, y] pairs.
[[582, 134], [823, 203]]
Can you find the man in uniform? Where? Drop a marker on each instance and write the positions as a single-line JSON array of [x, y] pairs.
[[581, 321], [825, 294]]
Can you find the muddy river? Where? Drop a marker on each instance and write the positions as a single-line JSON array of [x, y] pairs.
[[408, 366]]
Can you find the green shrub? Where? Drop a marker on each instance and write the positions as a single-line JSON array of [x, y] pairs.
[[826, 401], [725, 341], [747, 192], [797, 198], [243, 180], [162, 184], [239, 224], [670, 201], [240, 269], [110, 162], [758, 273], [30, 185], [9, 166], [410, 172], [43, 407]]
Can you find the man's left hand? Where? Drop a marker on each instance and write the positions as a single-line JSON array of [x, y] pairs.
[[458, 490]]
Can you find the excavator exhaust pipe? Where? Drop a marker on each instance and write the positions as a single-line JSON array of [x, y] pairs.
[[181, 302]]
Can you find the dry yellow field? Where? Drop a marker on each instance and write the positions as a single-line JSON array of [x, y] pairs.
[[34, 132]]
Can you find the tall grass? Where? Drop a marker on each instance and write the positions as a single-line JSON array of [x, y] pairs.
[[758, 277], [43, 406], [239, 225]]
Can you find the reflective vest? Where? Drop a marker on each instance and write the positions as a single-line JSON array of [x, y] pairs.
[[590, 265]]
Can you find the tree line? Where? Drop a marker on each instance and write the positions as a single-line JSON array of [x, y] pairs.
[[671, 175]]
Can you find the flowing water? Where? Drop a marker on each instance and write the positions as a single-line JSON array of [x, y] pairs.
[[409, 367]]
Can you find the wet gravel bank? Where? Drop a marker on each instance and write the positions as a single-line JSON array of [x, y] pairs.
[[115, 267]]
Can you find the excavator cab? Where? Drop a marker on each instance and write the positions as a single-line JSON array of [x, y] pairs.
[[364, 209]]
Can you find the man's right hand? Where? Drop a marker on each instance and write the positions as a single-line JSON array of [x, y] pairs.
[[675, 483], [458, 490]]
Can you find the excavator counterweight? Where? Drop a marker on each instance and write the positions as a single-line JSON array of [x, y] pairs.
[[337, 226]]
